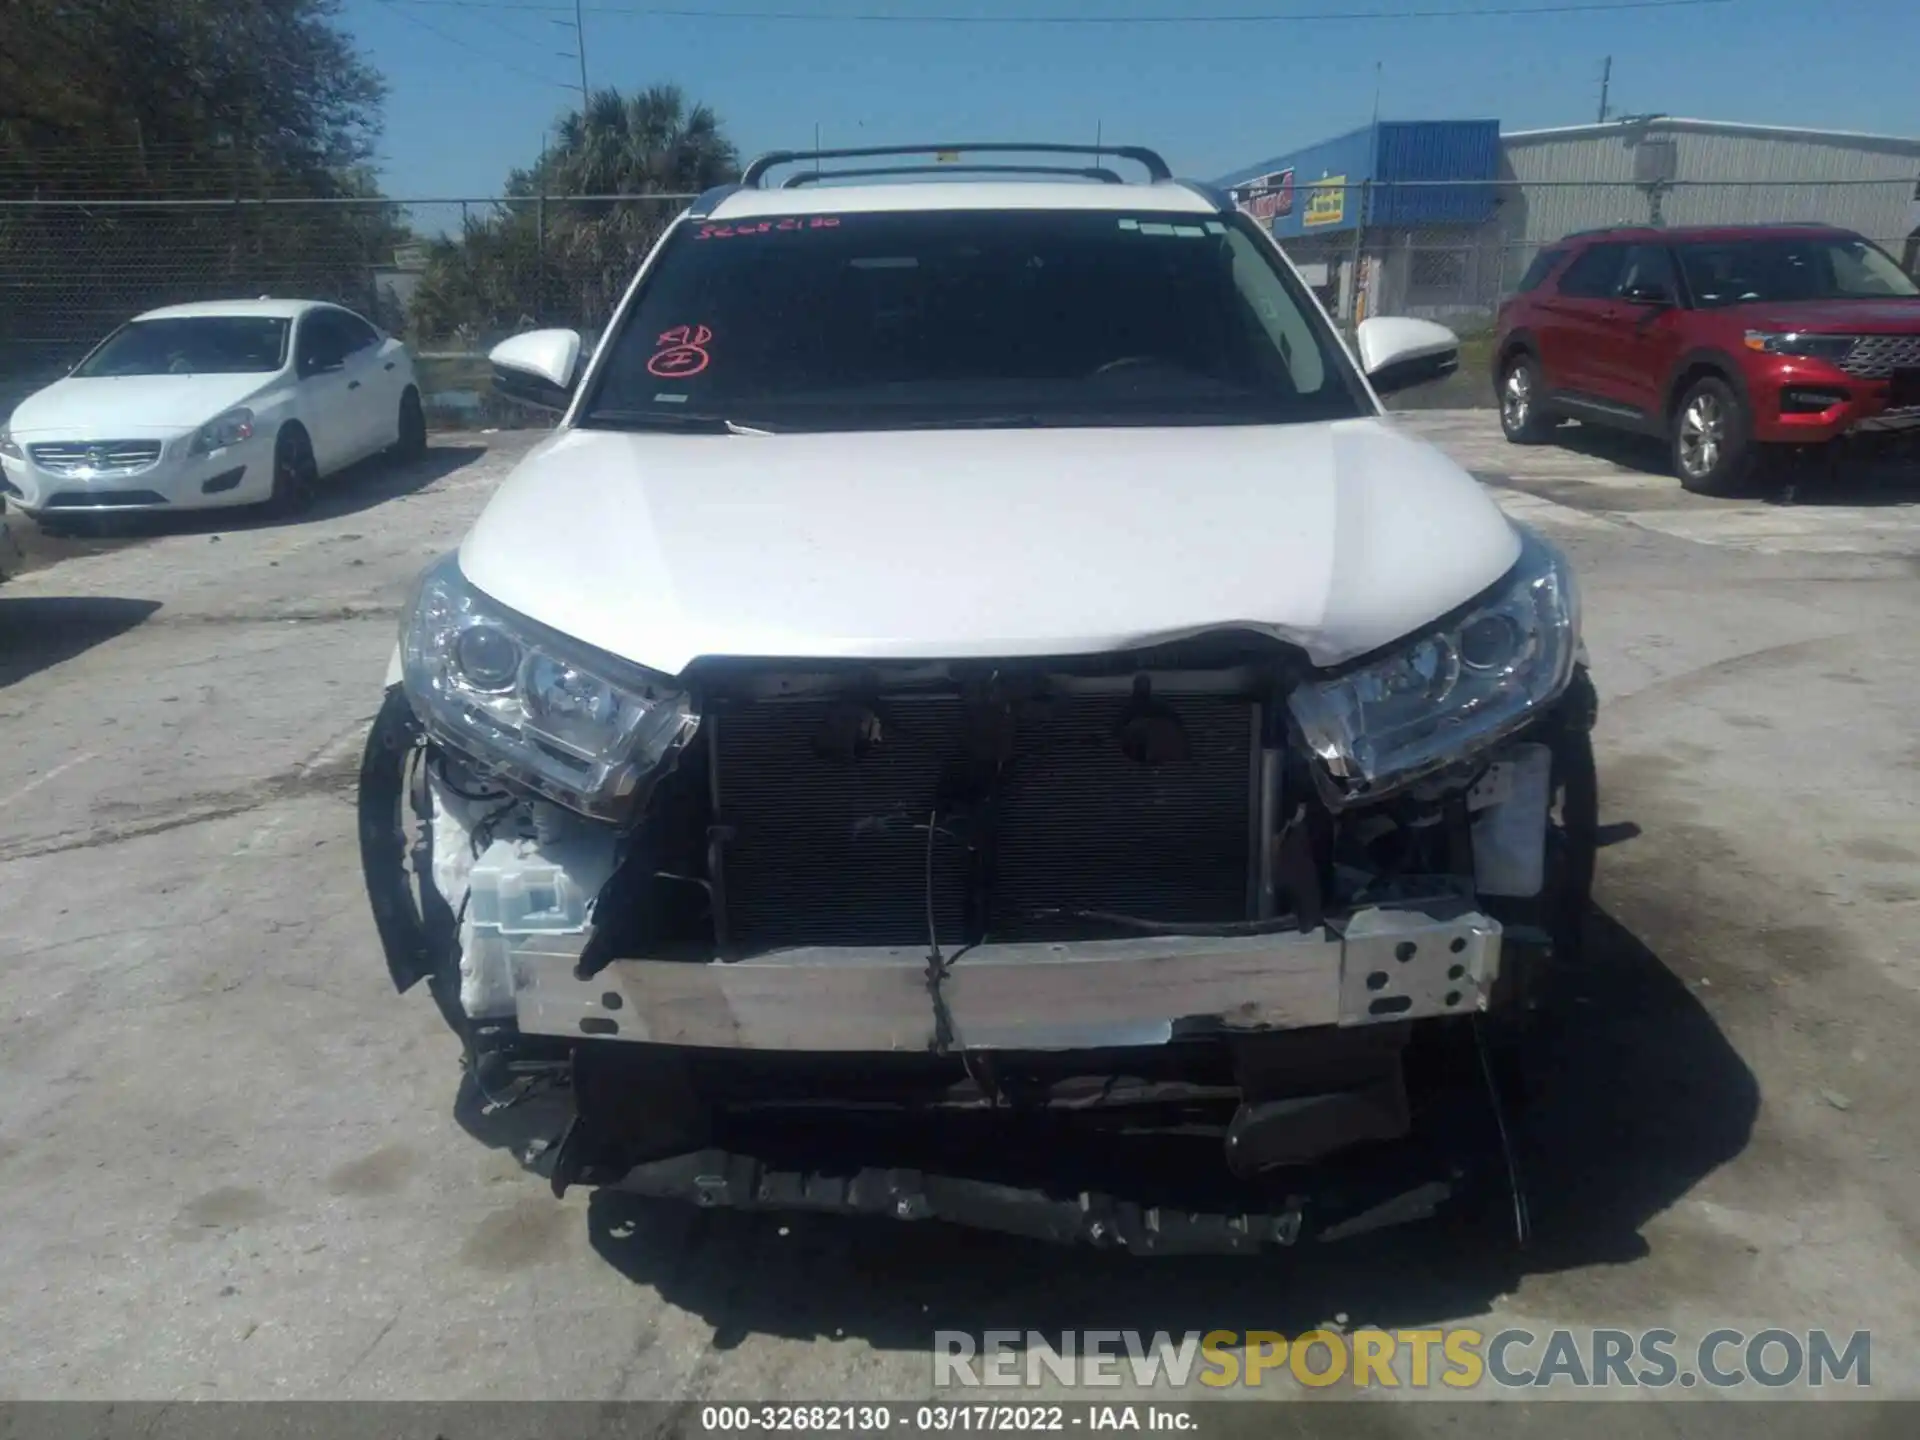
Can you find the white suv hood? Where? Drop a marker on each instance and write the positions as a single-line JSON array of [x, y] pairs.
[[1338, 537]]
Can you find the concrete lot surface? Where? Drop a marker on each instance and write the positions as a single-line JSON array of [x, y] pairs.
[[231, 1167]]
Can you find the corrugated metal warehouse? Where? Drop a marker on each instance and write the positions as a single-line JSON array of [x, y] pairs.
[[1439, 218]]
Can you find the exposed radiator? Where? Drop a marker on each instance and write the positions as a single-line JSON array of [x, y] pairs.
[[831, 849]]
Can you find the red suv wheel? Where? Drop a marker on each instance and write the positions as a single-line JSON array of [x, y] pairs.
[[1523, 417], [1712, 438]]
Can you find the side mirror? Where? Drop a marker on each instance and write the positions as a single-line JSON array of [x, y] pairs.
[[1398, 352], [538, 368], [1657, 295]]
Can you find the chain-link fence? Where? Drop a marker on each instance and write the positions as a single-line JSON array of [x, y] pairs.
[[453, 276], [1452, 250]]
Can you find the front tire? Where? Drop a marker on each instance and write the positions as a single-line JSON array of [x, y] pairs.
[[296, 475], [412, 441], [1524, 419], [1712, 439]]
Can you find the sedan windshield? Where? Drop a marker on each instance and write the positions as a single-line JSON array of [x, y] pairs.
[[1816, 267], [192, 345], [984, 318]]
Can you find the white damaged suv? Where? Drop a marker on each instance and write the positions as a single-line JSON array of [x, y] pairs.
[[976, 713]]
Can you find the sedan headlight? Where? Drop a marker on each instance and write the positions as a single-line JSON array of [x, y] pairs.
[[228, 429], [529, 705], [9, 447], [1443, 696], [1831, 348]]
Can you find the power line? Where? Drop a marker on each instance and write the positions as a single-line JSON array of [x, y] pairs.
[[882, 18], [394, 7]]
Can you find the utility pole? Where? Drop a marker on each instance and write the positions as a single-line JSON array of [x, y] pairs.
[[1606, 80], [580, 39]]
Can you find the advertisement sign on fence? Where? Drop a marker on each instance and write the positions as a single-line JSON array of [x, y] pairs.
[[1326, 201], [1266, 196]]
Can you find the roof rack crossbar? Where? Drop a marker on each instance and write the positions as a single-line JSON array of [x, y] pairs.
[[1090, 172], [1156, 168]]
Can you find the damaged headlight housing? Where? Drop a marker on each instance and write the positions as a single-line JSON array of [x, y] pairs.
[[1444, 695], [529, 705]]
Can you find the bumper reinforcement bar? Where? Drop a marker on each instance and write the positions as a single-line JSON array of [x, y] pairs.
[[1376, 965]]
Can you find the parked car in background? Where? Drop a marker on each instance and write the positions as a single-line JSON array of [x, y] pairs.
[[229, 402], [1724, 341]]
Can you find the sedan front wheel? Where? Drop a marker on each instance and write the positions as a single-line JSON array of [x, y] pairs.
[[296, 475]]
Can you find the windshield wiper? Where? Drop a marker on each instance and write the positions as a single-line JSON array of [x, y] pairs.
[[684, 424]]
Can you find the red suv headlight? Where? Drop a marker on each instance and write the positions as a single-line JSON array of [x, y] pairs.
[[1834, 349]]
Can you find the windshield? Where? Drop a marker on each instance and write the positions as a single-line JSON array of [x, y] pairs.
[[938, 318], [1817, 267], [192, 345]]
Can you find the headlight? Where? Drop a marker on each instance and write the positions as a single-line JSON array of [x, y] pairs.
[[529, 705], [228, 429], [1831, 348], [8, 447], [1448, 694]]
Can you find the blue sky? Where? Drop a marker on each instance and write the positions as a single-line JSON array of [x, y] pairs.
[[475, 85]]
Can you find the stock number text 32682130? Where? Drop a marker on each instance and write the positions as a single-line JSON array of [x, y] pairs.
[[870, 1419]]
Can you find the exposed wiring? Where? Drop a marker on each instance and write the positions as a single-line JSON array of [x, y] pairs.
[[933, 929], [1522, 1220], [706, 885], [482, 835], [1223, 929], [440, 773]]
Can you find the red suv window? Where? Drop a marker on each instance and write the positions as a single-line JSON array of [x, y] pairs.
[[1538, 271], [1595, 273]]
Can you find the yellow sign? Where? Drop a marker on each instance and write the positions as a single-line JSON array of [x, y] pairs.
[[1326, 201]]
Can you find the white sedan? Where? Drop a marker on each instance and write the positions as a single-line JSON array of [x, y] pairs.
[[230, 402]]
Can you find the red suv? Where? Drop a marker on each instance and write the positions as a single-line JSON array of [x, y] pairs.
[[1723, 341]]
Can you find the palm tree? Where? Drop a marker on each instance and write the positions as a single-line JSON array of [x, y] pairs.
[[636, 145], [550, 255], [650, 143]]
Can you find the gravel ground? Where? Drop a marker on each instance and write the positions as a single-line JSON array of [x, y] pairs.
[[232, 1164]]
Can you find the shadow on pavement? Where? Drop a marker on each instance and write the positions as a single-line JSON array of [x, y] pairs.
[[1856, 476], [1634, 1097], [40, 631], [359, 487]]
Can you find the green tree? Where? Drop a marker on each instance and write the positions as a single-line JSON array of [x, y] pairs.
[[188, 100], [547, 254], [182, 97]]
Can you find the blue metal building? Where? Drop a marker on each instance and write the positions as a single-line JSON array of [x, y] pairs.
[[1440, 218], [1356, 212]]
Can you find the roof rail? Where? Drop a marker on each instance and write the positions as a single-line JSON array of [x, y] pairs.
[[814, 177], [709, 200], [1156, 167]]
